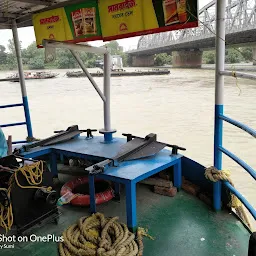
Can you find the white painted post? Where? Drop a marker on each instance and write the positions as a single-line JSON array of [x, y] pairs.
[[107, 75], [19, 60], [220, 51], [219, 91], [21, 78], [107, 131]]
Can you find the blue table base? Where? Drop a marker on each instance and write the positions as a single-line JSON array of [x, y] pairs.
[[128, 173], [130, 191]]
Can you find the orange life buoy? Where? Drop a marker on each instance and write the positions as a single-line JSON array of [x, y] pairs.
[[84, 200]]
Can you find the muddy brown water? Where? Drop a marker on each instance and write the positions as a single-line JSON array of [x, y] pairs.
[[178, 107]]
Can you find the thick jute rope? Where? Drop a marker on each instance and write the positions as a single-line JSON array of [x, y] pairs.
[[214, 175], [100, 236]]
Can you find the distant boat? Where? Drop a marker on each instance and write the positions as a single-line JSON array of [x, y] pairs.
[[32, 75], [118, 70], [121, 73]]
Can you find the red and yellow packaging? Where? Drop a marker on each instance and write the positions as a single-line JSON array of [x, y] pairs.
[[84, 21], [182, 10], [170, 12]]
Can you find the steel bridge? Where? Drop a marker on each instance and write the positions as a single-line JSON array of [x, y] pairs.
[[240, 30]]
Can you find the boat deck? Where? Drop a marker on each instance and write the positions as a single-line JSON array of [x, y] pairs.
[[182, 225]]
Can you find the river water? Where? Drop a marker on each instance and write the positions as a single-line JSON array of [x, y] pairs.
[[178, 107]]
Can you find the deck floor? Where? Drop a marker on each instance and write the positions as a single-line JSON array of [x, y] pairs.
[[182, 225]]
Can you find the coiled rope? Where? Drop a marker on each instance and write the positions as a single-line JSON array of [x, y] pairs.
[[100, 236], [34, 176], [6, 216], [214, 175]]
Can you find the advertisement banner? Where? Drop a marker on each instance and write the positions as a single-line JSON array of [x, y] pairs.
[[51, 25], [126, 18], [84, 21], [74, 23], [114, 19]]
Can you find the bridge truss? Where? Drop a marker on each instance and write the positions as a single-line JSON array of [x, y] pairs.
[[240, 16]]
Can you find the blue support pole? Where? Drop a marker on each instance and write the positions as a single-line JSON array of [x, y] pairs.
[[62, 158], [108, 137], [53, 164], [177, 175], [92, 194], [131, 214], [117, 191], [218, 134], [27, 116]]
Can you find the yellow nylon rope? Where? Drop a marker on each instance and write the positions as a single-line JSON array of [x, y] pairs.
[[235, 76], [214, 175], [34, 176]]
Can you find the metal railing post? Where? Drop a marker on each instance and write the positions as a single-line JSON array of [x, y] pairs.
[[219, 91], [105, 96], [107, 74], [21, 78], [81, 64], [107, 131]]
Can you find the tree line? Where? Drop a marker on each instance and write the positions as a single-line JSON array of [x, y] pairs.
[[33, 58], [232, 55]]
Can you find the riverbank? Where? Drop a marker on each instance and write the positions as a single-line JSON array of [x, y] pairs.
[[233, 67], [230, 67]]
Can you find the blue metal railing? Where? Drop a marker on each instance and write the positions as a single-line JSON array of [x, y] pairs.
[[19, 142], [12, 105], [14, 124], [248, 168], [22, 84], [239, 125], [241, 198]]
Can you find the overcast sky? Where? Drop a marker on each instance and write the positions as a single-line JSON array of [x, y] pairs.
[[27, 35]]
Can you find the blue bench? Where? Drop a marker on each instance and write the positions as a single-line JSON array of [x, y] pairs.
[[127, 173]]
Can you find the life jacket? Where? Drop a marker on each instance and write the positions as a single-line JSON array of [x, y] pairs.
[[3, 144]]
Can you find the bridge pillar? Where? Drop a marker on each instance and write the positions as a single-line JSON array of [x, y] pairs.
[[254, 55], [143, 61], [187, 59]]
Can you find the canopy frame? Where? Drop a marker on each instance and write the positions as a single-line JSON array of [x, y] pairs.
[[105, 95]]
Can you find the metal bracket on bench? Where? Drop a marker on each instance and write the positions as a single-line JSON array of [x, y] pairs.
[[135, 148], [175, 148]]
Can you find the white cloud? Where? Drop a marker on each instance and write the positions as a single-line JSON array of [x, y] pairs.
[[26, 36]]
